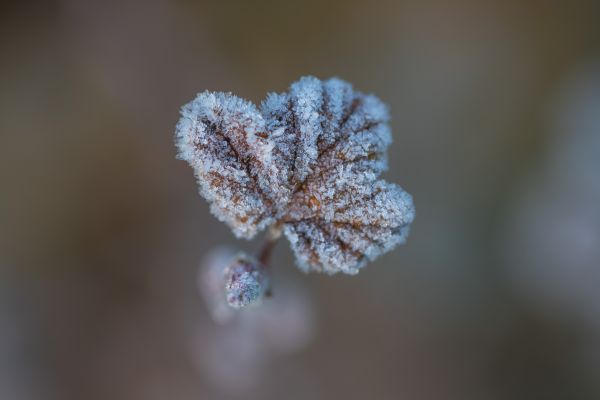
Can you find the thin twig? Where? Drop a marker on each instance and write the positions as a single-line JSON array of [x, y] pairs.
[[265, 252]]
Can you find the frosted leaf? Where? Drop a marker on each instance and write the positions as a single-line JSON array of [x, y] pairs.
[[215, 136], [351, 228], [308, 161], [246, 281]]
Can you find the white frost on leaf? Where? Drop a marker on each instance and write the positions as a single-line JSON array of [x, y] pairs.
[[212, 136], [309, 160]]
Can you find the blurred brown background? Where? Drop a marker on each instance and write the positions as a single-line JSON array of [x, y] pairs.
[[495, 108]]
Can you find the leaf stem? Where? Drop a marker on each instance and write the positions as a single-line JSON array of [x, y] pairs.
[[264, 254]]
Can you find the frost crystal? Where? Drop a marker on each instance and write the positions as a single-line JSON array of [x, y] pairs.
[[308, 160], [246, 281]]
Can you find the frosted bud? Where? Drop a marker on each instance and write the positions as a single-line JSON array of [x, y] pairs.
[[246, 281]]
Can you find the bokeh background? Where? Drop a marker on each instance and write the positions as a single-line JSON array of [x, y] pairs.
[[496, 120]]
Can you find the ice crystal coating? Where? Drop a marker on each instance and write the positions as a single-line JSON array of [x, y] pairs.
[[246, 281], [308, 160], [214, 136]]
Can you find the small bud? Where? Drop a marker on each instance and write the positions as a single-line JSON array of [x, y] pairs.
[[246, 281]]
